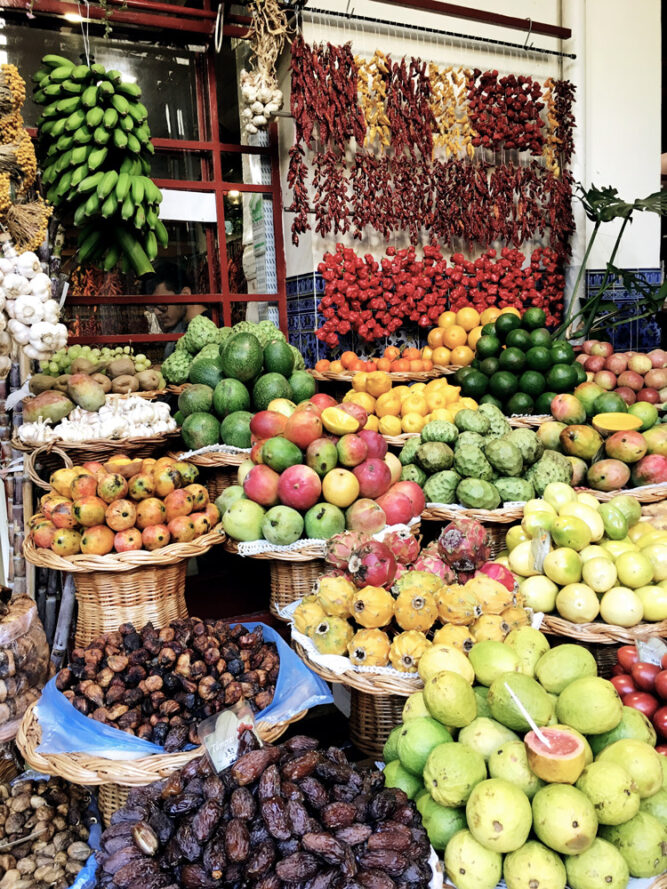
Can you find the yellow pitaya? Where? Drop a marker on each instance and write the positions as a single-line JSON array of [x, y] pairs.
[[335, 594], [406, 650], [515, 617], [331, 635], [456, 637], [369, 648], [457, 605], [489, 628], [372, 607], [493, 596], [422, 581], [415, 610], [308, 613]]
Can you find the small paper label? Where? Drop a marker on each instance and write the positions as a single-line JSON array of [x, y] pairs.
[[539, 548], [651, 651], [220, 734]]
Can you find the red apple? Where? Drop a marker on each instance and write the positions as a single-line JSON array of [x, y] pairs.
[[588, 345], [604, 349], [594, 363], [650, 395], [627, 394], [374, 477], [658, 358], [414, 493], [397, 507], [616, 364], [299, 487], [267, 424], [365, 515], [632, 380], [605, 379], [261, 485]]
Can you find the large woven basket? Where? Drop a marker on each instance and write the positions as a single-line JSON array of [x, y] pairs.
[[372, 717], [645, 494], [99, 449], [601, 633], [495, 521], [218, 470], [395, 375]]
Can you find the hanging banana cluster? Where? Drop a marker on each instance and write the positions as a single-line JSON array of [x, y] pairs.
[[95, 148]]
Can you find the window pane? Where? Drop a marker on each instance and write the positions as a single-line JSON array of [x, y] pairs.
[[254, 311], [251, 250], [232, 166], [181, 165]]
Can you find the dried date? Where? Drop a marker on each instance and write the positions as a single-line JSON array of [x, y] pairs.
[[274, 814], [237, 841], [324, 845], [336, 815], [297, 867], [354, 834], [301, 767], [242, 804]]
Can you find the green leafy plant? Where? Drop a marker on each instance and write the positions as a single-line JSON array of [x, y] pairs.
[[603, 205]]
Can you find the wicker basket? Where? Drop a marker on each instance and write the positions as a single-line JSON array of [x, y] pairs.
[[216, 480], [645, 494], [218, 469], [327, 376], [214, 460], [528, 421], [100, 449], [605, 655], [372, 717], [600, 633], [494, 520]]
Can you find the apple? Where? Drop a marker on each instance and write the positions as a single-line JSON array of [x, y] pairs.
[[594, 363], [365, 515], [616, 364], [641, 364], [656, 378], [658, 357], [377, 446], [631, 379], [588, 345], [650, 395], [628, 395], [604, 349], [414, 493], [322, 400], [374, 477], [605, 379], [582, 359]]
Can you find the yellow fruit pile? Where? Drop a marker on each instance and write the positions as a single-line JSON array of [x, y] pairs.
[[393, 410], [454, 340]]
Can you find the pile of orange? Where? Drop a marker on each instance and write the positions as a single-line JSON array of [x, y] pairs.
[[410, 359]]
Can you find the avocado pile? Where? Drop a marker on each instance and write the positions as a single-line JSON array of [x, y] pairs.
[[518, 367], [480, 462], [240, 370]]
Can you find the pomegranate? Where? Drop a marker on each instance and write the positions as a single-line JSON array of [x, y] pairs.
[[372, 564]]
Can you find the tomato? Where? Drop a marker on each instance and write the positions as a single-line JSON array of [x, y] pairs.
[[641, 701], [623, 684], [661, 684], [617, 670], [627, 656], [660, 721], [644, 675], [661, 748], [663, 663]]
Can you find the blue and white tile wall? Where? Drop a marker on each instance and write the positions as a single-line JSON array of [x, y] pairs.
[[642, 335]]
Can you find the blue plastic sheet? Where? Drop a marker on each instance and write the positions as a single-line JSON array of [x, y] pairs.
[[65, 730]]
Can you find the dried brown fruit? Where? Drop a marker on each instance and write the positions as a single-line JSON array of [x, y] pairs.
[[336, 815]]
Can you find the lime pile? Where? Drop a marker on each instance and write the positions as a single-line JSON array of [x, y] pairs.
[[519, 367]]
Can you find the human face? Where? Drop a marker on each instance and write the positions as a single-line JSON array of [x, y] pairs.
[[167, 314]]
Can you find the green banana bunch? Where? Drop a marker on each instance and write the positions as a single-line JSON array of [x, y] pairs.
[[95, 149]]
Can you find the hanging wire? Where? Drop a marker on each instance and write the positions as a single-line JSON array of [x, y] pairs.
[[85, 29]]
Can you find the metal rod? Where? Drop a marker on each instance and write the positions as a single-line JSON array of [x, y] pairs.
[[423, 29]]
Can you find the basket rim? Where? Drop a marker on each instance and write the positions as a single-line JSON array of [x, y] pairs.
[[211, 461], [304, 554], [605, 634], [94, 444], [396, 376], [489, 516], [647, 493], [528, 420], [82, 768], [128, 561], [370, 683]]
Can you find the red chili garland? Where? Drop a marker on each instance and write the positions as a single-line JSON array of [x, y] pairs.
[[505, 112]]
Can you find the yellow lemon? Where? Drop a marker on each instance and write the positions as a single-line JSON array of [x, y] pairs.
[[489, 315], [427, 353], [414, 404], [389, 425], [388, 404], [359, 381], [435, 399], [378, 383], [474, 336], [401, 392], [447, 319], [441, 356], [372, 423], [413, 422], [363, 399], [417, 387], [452, 393], [442, 414], [469, 403], [455, 408], [511, 310], [467, 318]]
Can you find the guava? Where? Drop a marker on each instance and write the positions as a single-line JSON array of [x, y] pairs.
[[396, 776], [591, 705], [639, 760], [441, 823], [642, 841], [485, 735], [482, 694], [600, 867], [390, 749], [490, 659], [415, 707], [452, 771], [656, 805], [561, 665], [416, 740], [445, 657], [533, 866], [529, 645], [450, 699], [531, 694], [564, 819], [611, 790], [633, 724], [587, 746], [510, 762], [499, 815], [469, 865]]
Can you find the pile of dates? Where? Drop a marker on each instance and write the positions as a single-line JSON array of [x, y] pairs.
[[286, 816], [159, 684], [52, 817]]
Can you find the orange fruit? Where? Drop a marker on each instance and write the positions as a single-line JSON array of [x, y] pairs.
[[441, 356], [371, 366], [489, 315], [336, 367], [434, 338], [323, 364], [467, 318], [447, 319], [347, 359], [416, 365], [378, 383], [357, 365], [427, 353], [411, 353], [401, 365], [462, 355], [454, 336], [428, 364], [383, 364], [473, 336], [391, 352]]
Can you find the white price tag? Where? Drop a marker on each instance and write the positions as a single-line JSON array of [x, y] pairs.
[[220, 734]]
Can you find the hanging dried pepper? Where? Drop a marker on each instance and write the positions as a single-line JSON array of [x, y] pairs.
[[505, 112], [297, 180], [372, 77], [409, 109], [330, 199], [563, 92], [452, 127]]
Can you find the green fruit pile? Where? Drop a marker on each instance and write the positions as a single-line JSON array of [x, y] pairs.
[[61, 361], [585, 806], [95, 147], [518, 366], [480, 462]]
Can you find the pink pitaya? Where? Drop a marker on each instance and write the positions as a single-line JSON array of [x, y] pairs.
[[372, 564], [434, 565], [400, 571], [431, 549], [403, 544], [464, 544], [336, 572], [339, 548], [500, 573]]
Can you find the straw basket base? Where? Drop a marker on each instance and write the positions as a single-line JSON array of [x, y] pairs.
[[216, 480], [291, 581], [372, 717], [107, 599], [110, 798]]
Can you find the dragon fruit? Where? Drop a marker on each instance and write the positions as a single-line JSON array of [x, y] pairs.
[[464, 544], [432, 563], [401, 570], [339, 548], [372, 564], [500, 573], [431, 549], [403, 545]]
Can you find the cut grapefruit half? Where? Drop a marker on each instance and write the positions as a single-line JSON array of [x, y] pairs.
[[561, 760]]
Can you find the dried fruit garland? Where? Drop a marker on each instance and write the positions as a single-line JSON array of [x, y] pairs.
[[453, 131], [409, 110], [505, 111], [372, 81]]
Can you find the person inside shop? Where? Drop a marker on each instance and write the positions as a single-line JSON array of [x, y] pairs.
[[171, 279]]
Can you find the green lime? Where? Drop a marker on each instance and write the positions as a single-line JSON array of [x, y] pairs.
[[505, 323], [581, 373], [562, 352], [475, 363], [491, 399], [489, 366], [503, 385], [519, 339], [532, 383], [562, 378], [474, 385], [538, 358], [521, 403], [541, 337], [489, 330], [462, 373], [543, 403], [533, 318], [487, 347], [512, 359]]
